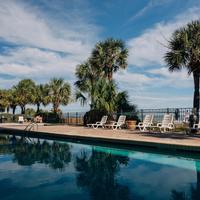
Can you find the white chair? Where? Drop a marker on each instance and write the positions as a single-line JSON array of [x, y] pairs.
[[167, 123], [21, 119], [196, 126], [147, 123], [121, 121], [99, 124]]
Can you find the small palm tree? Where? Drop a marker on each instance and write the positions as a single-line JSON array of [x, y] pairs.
[[110, 55], [13, 99], [4, 100], [25, 91], [41, 96], [184, 52], [105, 95], [59, 92], [87, 75]]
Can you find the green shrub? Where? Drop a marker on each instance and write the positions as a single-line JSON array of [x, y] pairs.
[[50, 117], [93, 116]]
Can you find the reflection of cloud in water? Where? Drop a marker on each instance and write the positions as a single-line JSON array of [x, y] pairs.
[[154, 181]]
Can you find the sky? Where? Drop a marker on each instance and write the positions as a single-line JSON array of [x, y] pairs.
[[42, 39]]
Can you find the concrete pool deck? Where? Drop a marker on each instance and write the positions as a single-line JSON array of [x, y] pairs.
[[172, 141]]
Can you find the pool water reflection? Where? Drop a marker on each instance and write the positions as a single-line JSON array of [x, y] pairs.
[[49, 169]]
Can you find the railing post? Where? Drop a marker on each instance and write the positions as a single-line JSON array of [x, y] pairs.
[[142, 114], [68, 118], [76, 118]]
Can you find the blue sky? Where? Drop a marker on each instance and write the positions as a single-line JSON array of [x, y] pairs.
[[41, 39]]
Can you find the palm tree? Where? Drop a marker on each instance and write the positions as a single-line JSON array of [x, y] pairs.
[[184, 52], [110, 55], [25, 91], [4, 99], [105, 95], [87, 75], [13, 99], [59, 92], [123, 104], [41, 96]]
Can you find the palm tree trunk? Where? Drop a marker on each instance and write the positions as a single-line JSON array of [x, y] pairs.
[[196, 94], [23, 109], [110, 76], [38, 107], [13, 109], [8, 109]]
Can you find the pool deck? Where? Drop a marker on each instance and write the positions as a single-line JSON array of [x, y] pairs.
[[171, 141]]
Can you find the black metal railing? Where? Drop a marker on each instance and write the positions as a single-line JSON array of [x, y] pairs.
[[180, 114]]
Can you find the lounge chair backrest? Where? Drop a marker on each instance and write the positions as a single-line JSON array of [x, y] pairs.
[[104, 119], [121, 120], [148, 119], [167, 119], [21, 118]]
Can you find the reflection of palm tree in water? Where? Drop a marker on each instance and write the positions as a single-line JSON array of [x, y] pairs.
[[55, 154], [97, 173], [194, 191]]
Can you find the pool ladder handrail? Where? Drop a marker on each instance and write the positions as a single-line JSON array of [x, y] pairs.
[[31, 126]]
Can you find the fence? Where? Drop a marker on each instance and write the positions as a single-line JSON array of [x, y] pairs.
[[76, 118], [180, 114], [73, 118]]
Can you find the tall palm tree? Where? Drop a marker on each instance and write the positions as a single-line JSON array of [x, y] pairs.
[[184, 52], [26, 91], [59, 92], [110, 55]]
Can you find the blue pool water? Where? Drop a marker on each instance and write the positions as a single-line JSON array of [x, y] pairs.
[[46, 169]]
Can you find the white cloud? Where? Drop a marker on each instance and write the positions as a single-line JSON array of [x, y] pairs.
[[150, 5], [40, 42], [148, 49], [24, 26], [36, 63], [136, 79]]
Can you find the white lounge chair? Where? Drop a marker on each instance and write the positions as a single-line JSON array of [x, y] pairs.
[[21, 119], [121, 121], [196, 126], [99, 124], [147, 123], [167, 123]]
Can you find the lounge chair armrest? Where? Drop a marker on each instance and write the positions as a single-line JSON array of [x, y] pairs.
[[159, 124], [140, 123], [171, 125], [195, 125]]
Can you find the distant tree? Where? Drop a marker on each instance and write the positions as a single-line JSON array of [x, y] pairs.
[[59, 93], [184, 52], [25, 91]]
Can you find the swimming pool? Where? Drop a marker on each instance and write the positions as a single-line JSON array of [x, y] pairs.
[[51, 169]]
